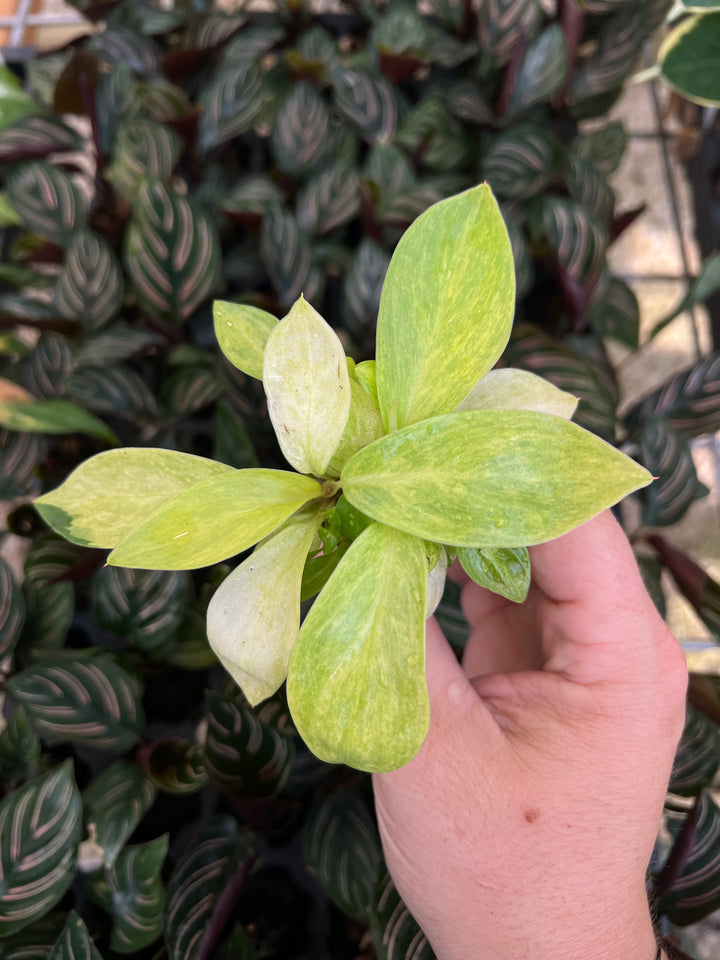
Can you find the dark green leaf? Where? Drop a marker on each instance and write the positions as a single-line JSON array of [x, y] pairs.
[[520, 163], [576, 238], [244, 756], [112, 391], [431, 131], [505, 571], [19, 750], [400, 31], [362, 285], [388, 169], [542, 71], [690, 59], [36, 941], [175, 765], [48, 201], [53, 416], [651, 573], [299, 139], [703, 286], [232, 443], [172, 253], [231, 104], [131, 891], [617, 314], [121, 45], [74, 942], [395, 933], [144, 606], [318, 571], [35, 137], [143, 149], [503, 24], [198, 881], [602, 148], [286, 253], [82, 701], [115, 102], [115, 803], [369, 102], [696, 892], [666, 454], [342, 851], [689, 402], [39, 833], [12, 609], [697, 758], [14, 102], [330, 199]]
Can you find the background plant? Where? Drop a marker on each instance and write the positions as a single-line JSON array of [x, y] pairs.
[[254, 157]]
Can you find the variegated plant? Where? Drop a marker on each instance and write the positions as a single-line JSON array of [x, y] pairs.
[[402, 463]]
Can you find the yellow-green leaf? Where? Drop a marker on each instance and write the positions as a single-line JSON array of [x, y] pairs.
[[254, 616], [109, 494], [519, 390], [214, 520], [356, 684], [446, 308], [363, 426], [242, 333], [489, 478], [308, 388], [504, 570]]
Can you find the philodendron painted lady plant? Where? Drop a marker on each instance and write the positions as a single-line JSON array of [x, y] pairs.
[[402, 463]]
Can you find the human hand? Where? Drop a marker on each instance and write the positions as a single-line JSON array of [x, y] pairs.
[[524, 827]]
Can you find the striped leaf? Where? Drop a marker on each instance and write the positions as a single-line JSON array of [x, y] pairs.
[[696, 892], [504, 22], [131, 892], [90, 286], [466, 101], [190, 389], [115, 803], [667, 456], [689, 402], [231, 104], [143, 148], [400, 31], [213, 29], [342, 850], [253, 42], [50, 608], [122, 45], [37, 940], [315, 52], [175, 765], [146, 607], [577, 239], [695, 583], [243, 755], [33, 138], [521, 163], [542, 70], [388, 169], [12, 610], [329, 199], [74, 942], [651, 573], [697, 758], [162, 101], [39, 833], [48, 365], [252, 197], [396, 935], [613, 56], [299, 141], [172, 253], [47, 201], [531, 349], [368, 102], [112, 391], [362, 285], [590, 189], [616, 314], [116, 102], [197, 882], [603, 148], [82, 701], [434, 133], [114, 345], [524, 270], [286, 252], [50, 560], [19, 750]]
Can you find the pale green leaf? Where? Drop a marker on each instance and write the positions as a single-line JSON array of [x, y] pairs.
[[436, 583], [108, 495], [356, 684], [254, 616], [308, 388], [446, 308], [242, 333], [53, 416], [365, 375], [489, 478], [214, 520], [363, 426], [519, 390], [504, 570]]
